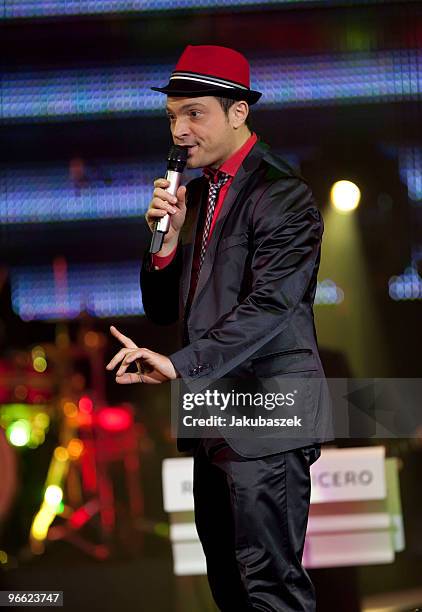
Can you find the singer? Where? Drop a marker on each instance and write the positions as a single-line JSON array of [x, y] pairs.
[[237, 267]]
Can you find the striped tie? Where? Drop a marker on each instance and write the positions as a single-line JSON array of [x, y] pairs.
[[220, 179]]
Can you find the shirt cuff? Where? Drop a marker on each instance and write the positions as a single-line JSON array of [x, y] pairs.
[[160, 262]]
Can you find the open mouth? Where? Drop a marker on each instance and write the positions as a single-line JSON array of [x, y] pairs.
[[192, 149]]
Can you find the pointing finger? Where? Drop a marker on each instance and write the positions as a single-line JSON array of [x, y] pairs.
[[123, 339]]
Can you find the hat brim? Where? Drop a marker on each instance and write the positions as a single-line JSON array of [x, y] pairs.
[[196, 90]]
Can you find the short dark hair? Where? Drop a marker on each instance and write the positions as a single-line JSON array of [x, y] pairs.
[[227, 103]]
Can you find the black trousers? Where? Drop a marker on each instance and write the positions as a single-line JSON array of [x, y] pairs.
[[251, 517]]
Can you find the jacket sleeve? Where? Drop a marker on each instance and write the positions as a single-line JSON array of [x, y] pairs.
[[160, 289], [287, 228]]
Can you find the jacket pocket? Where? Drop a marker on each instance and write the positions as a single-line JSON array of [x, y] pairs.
[[233, 240], [284, 362]]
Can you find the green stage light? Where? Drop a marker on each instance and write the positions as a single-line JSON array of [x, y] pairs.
[[19, 433]]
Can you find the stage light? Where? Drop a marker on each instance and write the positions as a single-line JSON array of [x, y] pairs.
[[19, 433], [70, 409], [15, 9], [40, 364], [410, 160], [345, 196], [286, 81], [33, 192], [37, 351], [14, 412], [103, 290], [41, 419], [75, 448], [114, 419], [86, 405], [80, 517], [37, 437], [328, 293], [53, 495], [61, 453], [343, 259], [23, 427], [407, 286], [42, 522]]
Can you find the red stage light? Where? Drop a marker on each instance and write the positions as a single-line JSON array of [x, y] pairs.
[[79, 518], [114, 419], [85, 405]]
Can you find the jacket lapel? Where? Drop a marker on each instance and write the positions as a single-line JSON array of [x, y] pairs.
[[240, 182], [195, 199]]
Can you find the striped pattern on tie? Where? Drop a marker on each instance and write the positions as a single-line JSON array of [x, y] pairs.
[[220, 179]]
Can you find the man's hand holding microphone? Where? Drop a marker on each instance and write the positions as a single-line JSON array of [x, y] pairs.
[[165, 217], [164, 203]]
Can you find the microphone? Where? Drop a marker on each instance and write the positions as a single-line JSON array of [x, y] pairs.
[[176, 162]]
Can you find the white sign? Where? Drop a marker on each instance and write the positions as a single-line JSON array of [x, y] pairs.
[[344, 474], [362, 532], [178, 484], [349, 474]]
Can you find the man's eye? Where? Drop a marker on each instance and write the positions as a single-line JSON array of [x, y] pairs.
[[170, 117], [195, 113]]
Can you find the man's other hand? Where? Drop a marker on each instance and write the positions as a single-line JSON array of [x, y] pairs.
[[153, 368]]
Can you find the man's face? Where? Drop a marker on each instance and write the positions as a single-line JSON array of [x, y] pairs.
[[201, 124]]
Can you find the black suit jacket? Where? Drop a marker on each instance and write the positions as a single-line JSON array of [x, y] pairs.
[[251, 314]]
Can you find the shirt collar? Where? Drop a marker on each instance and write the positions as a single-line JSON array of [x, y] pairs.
[[233, 163]]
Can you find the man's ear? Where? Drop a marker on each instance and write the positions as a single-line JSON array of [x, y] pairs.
[[239, 113]]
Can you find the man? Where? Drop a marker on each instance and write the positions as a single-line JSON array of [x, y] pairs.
[[238, 269]]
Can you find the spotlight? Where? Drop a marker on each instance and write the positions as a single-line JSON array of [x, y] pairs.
[[53, 495], [345, 196], [19, 433]]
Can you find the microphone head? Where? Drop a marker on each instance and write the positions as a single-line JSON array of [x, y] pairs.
[[177, 158]]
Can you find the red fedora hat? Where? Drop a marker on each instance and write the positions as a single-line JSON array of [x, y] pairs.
[[209, 70]]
